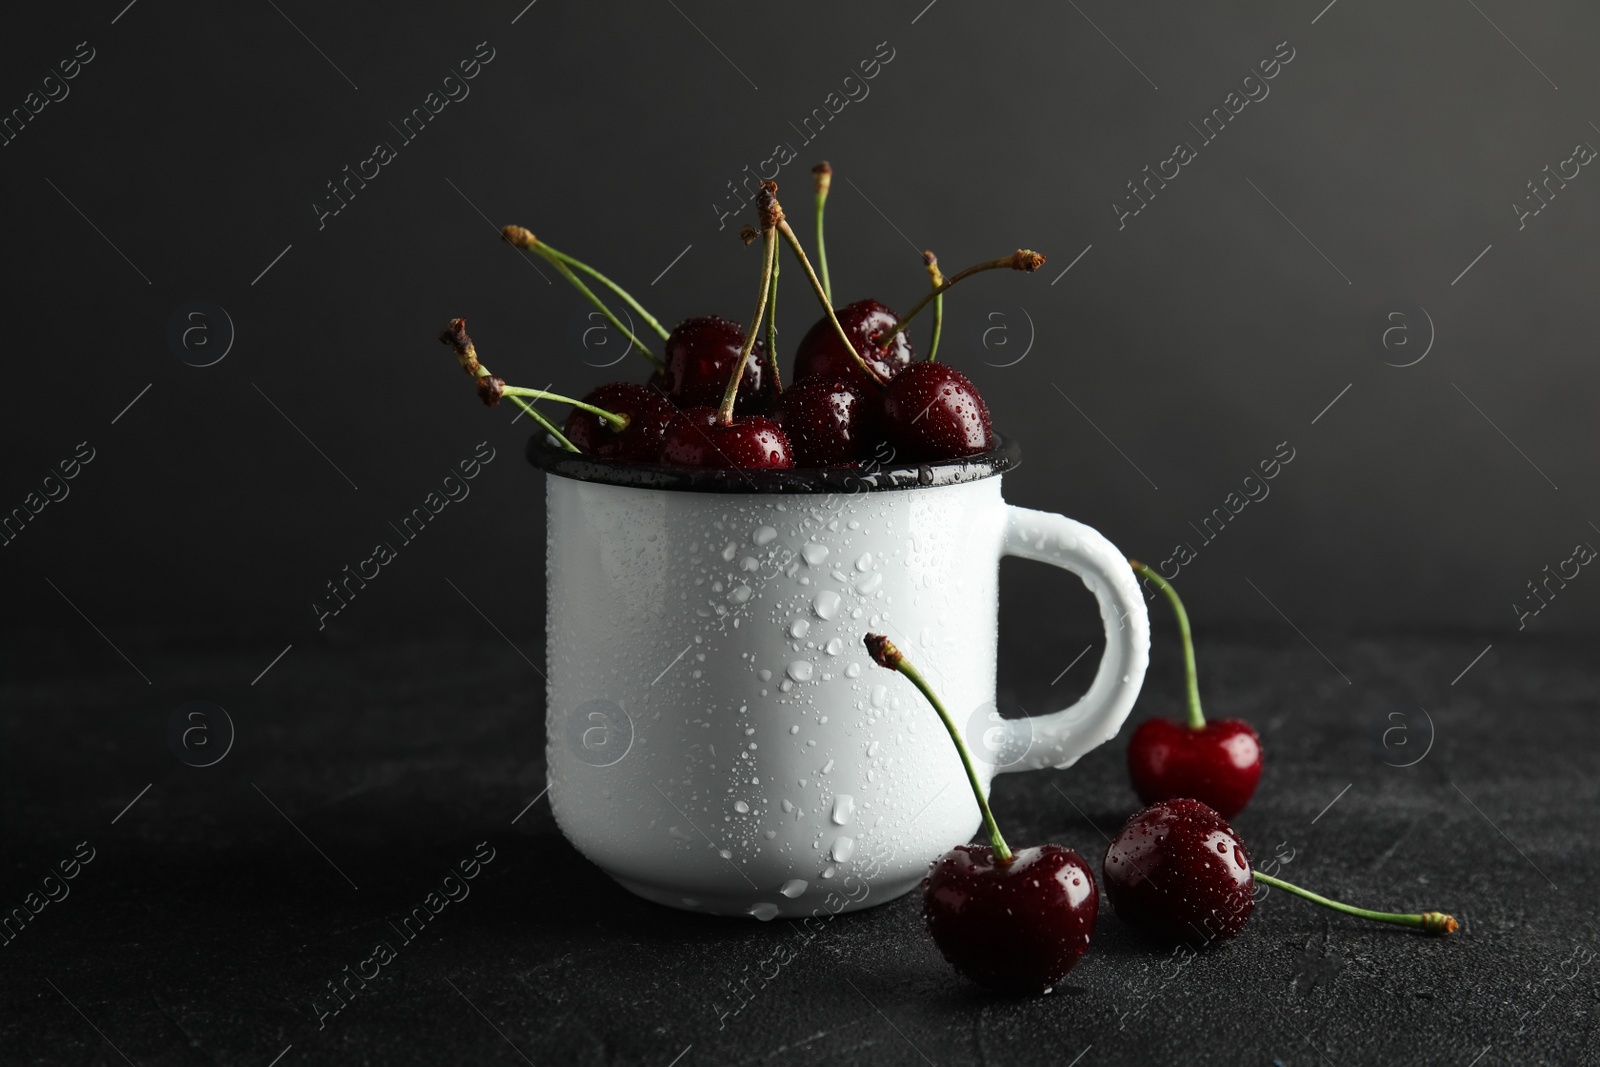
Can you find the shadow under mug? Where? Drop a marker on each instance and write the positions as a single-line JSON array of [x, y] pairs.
[[719, 739]]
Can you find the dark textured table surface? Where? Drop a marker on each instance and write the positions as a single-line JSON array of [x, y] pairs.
[[217, 907]]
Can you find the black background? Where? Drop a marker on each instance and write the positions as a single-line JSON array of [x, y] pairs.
[[1245, 299]]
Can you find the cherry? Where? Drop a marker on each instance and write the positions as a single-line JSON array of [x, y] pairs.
[[933, 411], [830, 420], [700, 354], [1015, 927], [1217, 762], [821, 351], [648, 413], [1179, 871], [1015, 922], [751, 442]]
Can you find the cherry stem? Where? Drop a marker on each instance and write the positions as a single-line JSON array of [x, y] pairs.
[[823, 180], [1022, 259], [1429, 922], [623, 294], [885, 654], [772, 322], [769, 256], [1197, 721], [618, 422], [455, 335], [935, 276], [519, 237], [827, 305]]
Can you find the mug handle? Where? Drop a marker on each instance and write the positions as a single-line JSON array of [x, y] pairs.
[[1061, 738]]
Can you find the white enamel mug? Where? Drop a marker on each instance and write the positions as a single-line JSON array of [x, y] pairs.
[[718, 738]]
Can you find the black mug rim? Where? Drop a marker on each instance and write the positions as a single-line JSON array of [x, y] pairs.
[[871, 476]]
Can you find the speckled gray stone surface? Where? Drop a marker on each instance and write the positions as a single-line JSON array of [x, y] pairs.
[[206, 927]]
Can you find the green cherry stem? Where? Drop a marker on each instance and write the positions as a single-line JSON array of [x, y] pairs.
[[769, 256], [519, 237], [827, 305], [885, 654], [936, 276], [1197, 721], [772, 321], [1022, 259], [455, 335], [618, 422], [622, 294], [823, 181], [1429, 922]]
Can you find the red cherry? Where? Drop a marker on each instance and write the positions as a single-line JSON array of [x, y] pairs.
[[822, 353], [829, 419], [1017, 927], [1218, 764], [933, 411], [648, 414], [1177, 870], [699, 361], [753, 442]]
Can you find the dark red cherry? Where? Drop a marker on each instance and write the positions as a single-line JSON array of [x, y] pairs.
[[822, 353], [753, 442], [1218, 764], [1177, 870], [829, 419], [1016, 927], [648, 414], [933, 411], [699, 360]]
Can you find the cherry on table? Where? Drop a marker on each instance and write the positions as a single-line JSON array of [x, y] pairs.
[[1015, 927], [1179, 871], [1219, 763], [821, 352], [1013, 921], [932, 411], [700, 355], [830, 419], [750, 442], [648, 412], [1216, 762]]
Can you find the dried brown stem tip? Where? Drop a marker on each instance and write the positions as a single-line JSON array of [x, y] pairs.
[[883, 652], [823, 176], [1026, 259], [519, 237], [491, 389], [455, 335], [931, 262], [1437, 922], [768, 210], [748, 234]]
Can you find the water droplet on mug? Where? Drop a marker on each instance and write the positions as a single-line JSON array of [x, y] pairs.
[[799, 627], [814, 554], [800, 670], [741, 807], [793, 887], [764, 911], [844, 807], [865, 562], [843, 848], [764, 535], [826, 604], [869, 583], [835, 646]]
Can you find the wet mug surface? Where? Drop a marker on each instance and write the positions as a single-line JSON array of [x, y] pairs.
[[718, 738]]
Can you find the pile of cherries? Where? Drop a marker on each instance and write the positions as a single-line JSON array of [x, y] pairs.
[[1017, 922], [715, 399]]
